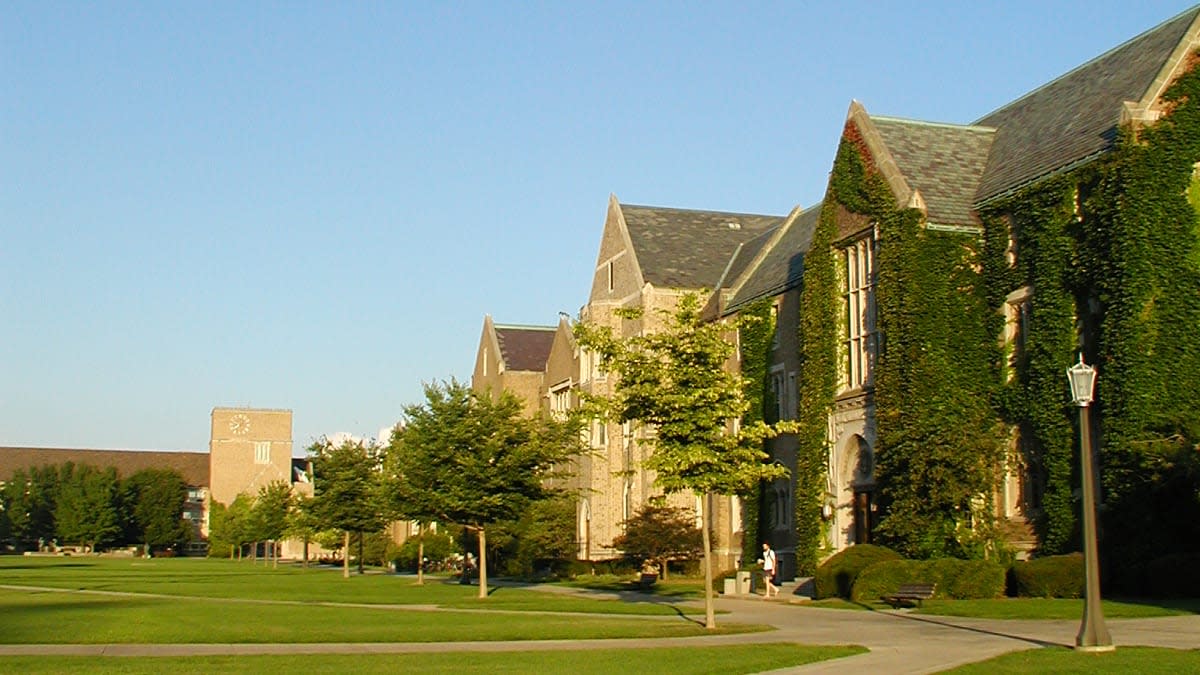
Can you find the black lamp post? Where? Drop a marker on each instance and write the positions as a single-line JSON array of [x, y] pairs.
[[1093, 634]]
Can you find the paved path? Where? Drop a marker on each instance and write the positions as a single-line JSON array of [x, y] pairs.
[[899, 641]]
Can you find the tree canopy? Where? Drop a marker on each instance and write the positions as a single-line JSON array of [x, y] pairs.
[[346, 489]]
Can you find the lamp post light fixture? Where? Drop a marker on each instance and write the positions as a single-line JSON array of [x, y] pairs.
[[1093, 634]]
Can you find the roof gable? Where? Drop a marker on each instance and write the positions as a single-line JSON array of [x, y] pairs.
[[1076, 116], [942, 162], [525, 347], [781, 267], [680, 248]]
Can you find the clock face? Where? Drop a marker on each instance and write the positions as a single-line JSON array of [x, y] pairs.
[[239, 424]]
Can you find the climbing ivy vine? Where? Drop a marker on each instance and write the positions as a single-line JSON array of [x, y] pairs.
[[756, 334]]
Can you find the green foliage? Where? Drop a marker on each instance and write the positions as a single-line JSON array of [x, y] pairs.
[[230, 527], [1054, 576], [29, 504], [545, 537], [272, 507], [675, 381], [439, 547], [1044, 221], [756, 334], [953, 578], [346, 494], [835, 577], [155, 499], [659, 533], [86, 506], [1173, 576]]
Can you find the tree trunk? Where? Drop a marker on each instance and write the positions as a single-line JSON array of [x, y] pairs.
[[275, 555], [482, 564], [360, 554], [420, 554], [305, 552], [710, 620], [346, 555]]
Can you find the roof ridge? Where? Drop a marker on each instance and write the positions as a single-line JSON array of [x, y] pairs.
[[927, 123], [1191, 10], [518, 326], [719, 213]]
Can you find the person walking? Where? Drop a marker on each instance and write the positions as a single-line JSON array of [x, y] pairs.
[[770, 566]]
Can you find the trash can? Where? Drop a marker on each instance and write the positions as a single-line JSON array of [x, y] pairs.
[[745, 583]]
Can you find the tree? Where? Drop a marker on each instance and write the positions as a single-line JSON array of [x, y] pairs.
[[29, 504], [474, 460], [85, 509], [271, 509], [659, 533], [229, 526], [154, 503], [346, 493], [677, 382], [302, 524]]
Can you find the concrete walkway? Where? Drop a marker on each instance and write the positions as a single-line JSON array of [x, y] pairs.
[[899, 641]]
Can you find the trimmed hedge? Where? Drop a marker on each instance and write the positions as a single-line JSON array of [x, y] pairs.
[[954, 578], [1054, 576], [835, 577], [1173, 576]]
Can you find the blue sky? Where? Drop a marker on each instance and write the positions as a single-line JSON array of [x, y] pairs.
[[312, 205]]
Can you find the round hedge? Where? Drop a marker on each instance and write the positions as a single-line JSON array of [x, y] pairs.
[[953, 578], [835, 577], [1053, 576]]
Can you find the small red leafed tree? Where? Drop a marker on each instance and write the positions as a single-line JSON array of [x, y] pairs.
[[660, 533]]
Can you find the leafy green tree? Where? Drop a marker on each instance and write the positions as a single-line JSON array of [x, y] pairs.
[[230, 526], [346, 490], [302, 524], [676, 381], [154, 501], [545, 535], [271, 509], [29, 505], [474, 460], [85, 509], [659, 533]]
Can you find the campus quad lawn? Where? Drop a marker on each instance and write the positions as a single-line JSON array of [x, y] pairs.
[[205, 578], [1061, 660], [681, 660], [71, 617]]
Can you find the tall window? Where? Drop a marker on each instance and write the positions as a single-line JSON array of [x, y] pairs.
[[262, 452], [858, 302], [560, 400]]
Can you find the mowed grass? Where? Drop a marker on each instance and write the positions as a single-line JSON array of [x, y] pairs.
[[83, 618], [204, 578], [1031, 608], [194, 601], [1060, 660], [675, 660]]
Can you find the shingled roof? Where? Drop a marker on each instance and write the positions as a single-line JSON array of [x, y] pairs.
[[1076, 116], [193, 466], [782, 266], [679, 248], [944, 162], [525, 347]]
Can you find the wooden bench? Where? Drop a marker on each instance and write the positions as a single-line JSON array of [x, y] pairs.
[[910, 594]]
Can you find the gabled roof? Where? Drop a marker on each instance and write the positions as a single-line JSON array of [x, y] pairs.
[[193, 466], [781, 267], [1076, 116], [942, 162], [679, 248], [525, 347]]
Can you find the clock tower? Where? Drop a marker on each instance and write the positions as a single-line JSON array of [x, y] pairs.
[[248, 448]]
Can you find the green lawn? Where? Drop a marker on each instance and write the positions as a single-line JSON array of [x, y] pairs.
[[228, 601], [1059, 660], [1030, 608], [675, 660], [203, 578]]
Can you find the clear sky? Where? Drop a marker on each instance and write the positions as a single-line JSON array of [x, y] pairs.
[[312, 205]]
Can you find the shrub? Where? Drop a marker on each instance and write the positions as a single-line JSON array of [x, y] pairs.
[[835, 577], [1173, 576], [954, 578], [439, 547], [1054, 576], [658, 534]]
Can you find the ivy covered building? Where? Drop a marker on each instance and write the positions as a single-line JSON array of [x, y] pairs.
[[920, 320]]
